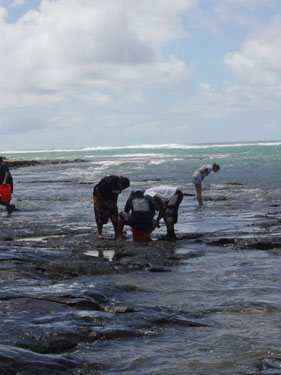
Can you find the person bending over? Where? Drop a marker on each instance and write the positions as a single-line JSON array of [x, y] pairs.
[[138, 214], [168, 199], [199, 176], [105, 196]]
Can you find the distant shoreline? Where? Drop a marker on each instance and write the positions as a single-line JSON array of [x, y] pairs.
[[14, 164]]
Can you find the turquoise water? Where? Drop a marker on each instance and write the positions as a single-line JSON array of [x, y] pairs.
[[253, 162], [247, 184], [234, 291], [253, 148]]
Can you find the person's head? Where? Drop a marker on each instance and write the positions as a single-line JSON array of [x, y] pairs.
[[216, 167], [136, 194], [124, 182], [1, 160]]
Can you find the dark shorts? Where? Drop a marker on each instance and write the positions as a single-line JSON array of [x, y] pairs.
[[172, 206], [138, 220], [104, 211]]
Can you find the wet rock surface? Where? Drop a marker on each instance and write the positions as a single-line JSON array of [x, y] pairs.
[[47, 312], [46, 315], [268, 366], [56, 303]]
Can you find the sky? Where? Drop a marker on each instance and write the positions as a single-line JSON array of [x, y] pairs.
[[86, 73]]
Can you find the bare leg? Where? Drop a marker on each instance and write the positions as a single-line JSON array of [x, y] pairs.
[[120, 227], [199, 194], [170, 230], [100, 236], [114, 220], [9, 207], [97, 209]]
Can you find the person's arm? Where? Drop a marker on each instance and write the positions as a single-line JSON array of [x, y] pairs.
[[128, 205], [5, 178], [160, 203], [98, 194], [114, 201]]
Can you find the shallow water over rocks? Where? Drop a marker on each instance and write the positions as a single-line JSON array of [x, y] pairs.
[[207, 304]]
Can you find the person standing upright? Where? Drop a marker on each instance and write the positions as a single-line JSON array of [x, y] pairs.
[[6, 178]]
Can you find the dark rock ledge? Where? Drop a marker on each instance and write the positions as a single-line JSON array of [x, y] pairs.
[[14, 164]]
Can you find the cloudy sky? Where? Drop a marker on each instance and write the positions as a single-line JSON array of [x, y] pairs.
[[82, 73]]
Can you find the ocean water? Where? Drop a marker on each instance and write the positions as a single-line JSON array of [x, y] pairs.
[[248, 182], [234, 291]]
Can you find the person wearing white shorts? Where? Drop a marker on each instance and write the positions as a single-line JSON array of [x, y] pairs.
[[199, 176]]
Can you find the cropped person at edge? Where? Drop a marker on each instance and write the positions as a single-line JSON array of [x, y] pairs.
[[6, 178]]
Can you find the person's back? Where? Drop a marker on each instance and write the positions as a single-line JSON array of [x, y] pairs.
[[142, 211], [105, 195], [108, 187], [168, 199], [138, 214], [165, 192], [202, 172]]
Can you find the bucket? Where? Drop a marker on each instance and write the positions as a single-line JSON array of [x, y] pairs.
[[140, 236], [5, 192]]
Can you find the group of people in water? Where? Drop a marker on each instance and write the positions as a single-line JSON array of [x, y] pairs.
[[142, 205]]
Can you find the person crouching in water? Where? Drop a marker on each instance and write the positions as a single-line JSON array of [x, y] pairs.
[[105, 196], [138, 214], [199, 176], [168, 199]]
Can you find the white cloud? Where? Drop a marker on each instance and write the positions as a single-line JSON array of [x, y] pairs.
[[96, 98], [258, 61], [257, 71], [73, 71], [3, 14], [98, 43], [213, 103], [147, 128], [274, 129]]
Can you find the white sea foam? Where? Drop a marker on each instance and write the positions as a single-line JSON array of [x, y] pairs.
[[147, 146], [182, 146], [157, 162]]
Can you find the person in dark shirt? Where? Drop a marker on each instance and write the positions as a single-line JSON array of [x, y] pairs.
[[105, 197], [138, 214], [6, 178], [5, 175]]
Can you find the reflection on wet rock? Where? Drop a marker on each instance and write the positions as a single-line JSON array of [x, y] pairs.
[[72, 305]]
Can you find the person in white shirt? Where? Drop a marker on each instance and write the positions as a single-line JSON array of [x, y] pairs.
[[167, 200], [199, 176]]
